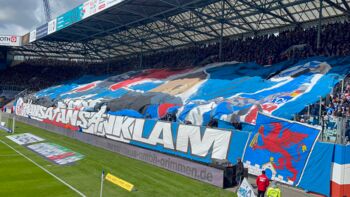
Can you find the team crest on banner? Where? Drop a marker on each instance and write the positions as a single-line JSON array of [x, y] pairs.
[[280, 147]]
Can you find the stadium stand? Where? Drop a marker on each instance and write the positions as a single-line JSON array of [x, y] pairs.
[[263, 50], [274, 73], [281, 50]]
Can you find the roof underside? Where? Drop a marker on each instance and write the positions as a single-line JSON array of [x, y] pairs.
[[136, 26]]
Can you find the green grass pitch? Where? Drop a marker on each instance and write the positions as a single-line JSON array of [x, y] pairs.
[[20, 177]]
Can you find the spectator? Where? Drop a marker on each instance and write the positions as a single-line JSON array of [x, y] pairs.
[[239, 171], [262, 182], [273, 190]]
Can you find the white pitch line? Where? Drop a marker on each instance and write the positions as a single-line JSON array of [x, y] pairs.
[[62, 181]]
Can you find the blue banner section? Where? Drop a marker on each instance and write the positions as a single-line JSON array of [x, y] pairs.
[[69, 17], [64, 20], [339, 152], [280, 147], [228, 92], [237, 144], [317, 174]]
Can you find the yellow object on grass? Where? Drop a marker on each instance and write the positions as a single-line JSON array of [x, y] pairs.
[[120, 182]]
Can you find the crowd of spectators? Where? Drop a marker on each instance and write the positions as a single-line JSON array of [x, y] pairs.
[[339, 103], [37, 76], [336, 104], [327, 112], [266, 49]]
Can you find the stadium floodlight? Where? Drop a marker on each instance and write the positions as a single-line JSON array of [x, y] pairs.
[[47, 10]]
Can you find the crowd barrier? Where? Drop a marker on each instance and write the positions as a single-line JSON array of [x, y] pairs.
[[333, 129]]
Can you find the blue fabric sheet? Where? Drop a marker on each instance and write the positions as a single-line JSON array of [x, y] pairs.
[[317, 174]]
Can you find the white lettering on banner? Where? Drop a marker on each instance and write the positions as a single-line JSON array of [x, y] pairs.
[[164, 129], [94, 121], [216, 139], [48, 114], [81, 102], [71, 117], [82, 122], [118, 128], [189, 138]]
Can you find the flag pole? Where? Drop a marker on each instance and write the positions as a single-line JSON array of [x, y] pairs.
[[102, 178]]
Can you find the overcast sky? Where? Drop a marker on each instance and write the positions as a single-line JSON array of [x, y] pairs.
[[18, 17]]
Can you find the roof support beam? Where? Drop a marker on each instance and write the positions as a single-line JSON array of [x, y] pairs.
[[240, 16], [193, 10], [222, 20], [319, 24], [177, 26], [338, 7], [346, 5], [264, 10], [287, 11], [222, 28], [142, 19]]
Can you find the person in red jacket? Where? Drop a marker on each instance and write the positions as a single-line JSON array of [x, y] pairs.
[[262, 182]]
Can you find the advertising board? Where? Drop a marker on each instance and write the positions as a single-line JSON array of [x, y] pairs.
[[25, 39], [25, 138], [41, 31], [32, 36], [56, 153], [10, 40], [52, 26]]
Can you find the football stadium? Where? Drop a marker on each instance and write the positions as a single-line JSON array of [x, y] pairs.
[[178, 98]]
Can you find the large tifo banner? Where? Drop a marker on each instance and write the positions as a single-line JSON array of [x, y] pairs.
[[192, 142], [280, 147]]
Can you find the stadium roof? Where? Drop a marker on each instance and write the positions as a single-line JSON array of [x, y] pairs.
[[135, 26]]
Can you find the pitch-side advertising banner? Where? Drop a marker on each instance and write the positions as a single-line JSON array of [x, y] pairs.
[[56, 153], [10, 40], [280, 147], [25, 138]]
